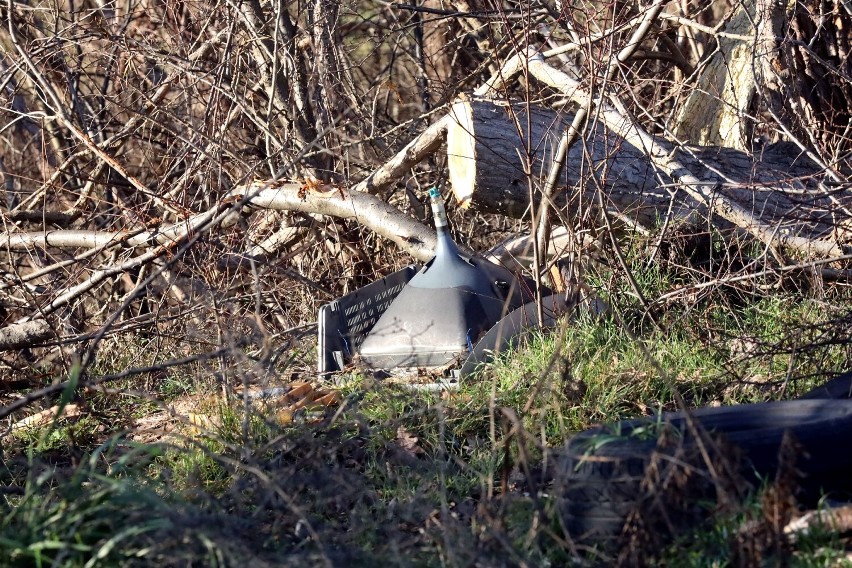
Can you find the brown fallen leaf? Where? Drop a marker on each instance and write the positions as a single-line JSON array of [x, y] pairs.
[[299, 390], [284, 416], [307, 399], [406, 442]]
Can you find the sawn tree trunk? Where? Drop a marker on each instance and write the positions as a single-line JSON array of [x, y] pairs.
[[491, 145]]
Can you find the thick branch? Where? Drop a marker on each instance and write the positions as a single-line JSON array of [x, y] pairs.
[[426, 143], [19, 335], [370, 211], [70, 238]]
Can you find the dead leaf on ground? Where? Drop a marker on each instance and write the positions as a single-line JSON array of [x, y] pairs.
[[407, 443], [283, 404]]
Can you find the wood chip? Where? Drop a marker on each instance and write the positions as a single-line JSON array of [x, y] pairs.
[[45, 417]]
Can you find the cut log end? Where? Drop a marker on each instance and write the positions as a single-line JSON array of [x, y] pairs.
[[488, 146], [461, 153]]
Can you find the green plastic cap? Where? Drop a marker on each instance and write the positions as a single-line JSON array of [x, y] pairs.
[[434, 192]]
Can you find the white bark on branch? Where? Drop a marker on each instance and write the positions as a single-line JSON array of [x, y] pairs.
[[368, 210], [385, 220], [424, 144], [69, 238]]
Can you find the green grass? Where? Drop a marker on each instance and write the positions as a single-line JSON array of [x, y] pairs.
[[104, 512], [408, 478]]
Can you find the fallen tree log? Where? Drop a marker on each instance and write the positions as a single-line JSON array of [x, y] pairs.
[[489, 140], [776, 196]]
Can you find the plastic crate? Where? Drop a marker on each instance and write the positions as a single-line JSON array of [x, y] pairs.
[[343, 323]]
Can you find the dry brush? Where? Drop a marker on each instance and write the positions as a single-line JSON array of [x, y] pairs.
[[199, 171]]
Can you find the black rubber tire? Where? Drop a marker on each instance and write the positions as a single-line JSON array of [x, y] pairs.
[[597, 488], [839, 387], [595, 497]]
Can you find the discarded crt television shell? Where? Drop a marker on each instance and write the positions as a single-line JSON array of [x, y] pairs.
[[443, 310], [431, 319]]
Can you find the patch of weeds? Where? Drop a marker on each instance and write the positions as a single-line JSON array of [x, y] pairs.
[[592, 371], [216, 435], [733, 539], [403, 477], [175, 385], [780, 345], [821, 548], [194, 469]]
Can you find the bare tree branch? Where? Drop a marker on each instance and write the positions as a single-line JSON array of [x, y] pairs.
[[414, 152], [370, 211]]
